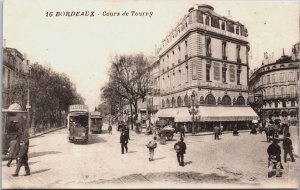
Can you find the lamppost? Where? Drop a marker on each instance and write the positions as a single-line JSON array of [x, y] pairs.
[[193, 111], [28, 107]]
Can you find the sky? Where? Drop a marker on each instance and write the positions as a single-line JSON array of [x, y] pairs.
[[81, 46]]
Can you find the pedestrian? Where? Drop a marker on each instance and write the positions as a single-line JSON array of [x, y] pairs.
[[217, 132], [274, 159], [221, 129], [110, 129], [182, 132], [151, 146], [14, 148], [235, 130], [124, 141], [126, 128], [180, 148], [288, 147], [23, 158]]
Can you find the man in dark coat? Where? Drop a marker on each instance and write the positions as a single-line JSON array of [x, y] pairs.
[[180, 148], [109, 129], [217, 132], [14, 147], [182, 131], [288, 147], [23, 158], [274, 153], [124, 141]]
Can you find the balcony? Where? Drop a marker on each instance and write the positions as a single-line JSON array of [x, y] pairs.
[[280, 97]]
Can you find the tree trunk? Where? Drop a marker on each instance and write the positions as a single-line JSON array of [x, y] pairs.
[[131, 118]]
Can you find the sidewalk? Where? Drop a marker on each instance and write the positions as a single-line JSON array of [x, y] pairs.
[[46, 131]]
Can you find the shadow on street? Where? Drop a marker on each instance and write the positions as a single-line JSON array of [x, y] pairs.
[[40, 171], [36, 154], [94, 138]]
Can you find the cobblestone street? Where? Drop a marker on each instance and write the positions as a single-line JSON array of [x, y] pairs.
[[239, 161]]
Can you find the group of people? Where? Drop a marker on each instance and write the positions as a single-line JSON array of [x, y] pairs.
[[274, 152], [18, 150], [180, 146]]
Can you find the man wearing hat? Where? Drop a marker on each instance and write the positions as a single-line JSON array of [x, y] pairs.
[[180, 148], [23, 158], [274, 152]]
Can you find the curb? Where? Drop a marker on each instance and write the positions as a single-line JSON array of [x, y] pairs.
[[212, 133], [45, 132]]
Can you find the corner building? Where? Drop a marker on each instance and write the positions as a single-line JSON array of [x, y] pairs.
[[277, 82], [206, 53]]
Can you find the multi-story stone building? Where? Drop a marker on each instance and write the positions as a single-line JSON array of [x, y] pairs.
[[207, 54], [277, 83], [14, 67]]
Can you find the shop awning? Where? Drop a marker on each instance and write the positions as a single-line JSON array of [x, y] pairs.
[[210, 113], [227, 113]]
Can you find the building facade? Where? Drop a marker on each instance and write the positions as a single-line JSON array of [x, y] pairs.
[[13, 68], [277, 83], [205, 54]]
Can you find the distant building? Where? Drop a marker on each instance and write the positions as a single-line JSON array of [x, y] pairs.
[[277, 83], [206, 53], [13, 68]]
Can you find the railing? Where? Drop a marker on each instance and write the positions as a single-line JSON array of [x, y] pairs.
[[220, 85], [269, 97]]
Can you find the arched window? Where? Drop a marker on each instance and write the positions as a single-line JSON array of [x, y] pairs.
[[173, 102], [179, 101], [186, 100], [207, 20], [240, 100], [168, 103], [210, 99], [226, 100], [163, 103]]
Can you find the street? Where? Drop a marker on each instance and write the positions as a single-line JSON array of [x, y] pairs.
[[237, 161]]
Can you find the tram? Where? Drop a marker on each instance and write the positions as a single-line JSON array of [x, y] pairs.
[[96, 122], [78, 123]]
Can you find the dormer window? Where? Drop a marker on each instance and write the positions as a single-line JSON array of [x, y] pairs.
[[237, 30], [223, 25], [207, 20]]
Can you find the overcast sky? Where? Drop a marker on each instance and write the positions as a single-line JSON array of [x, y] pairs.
[[81, 46]]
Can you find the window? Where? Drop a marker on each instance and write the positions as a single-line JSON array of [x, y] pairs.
[[226, 100], [238, 76], [210, 99], [194, 72], [207, 72], [268, 79], [283, 104], [208, 47], [231, 73], [274, 92], [173, 102], [179, 101], [223, 25], [238, 53], [168, 103], [217, 71], [207, 20], [276, 104], [240, 100], [224, 74], [224, 50], [237, 30], [186, 100], [293, 103]]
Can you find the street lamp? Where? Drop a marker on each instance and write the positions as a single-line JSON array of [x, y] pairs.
[[28, 107], [193, 111]]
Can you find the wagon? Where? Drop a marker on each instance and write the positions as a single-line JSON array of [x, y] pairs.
[[167, 132]]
